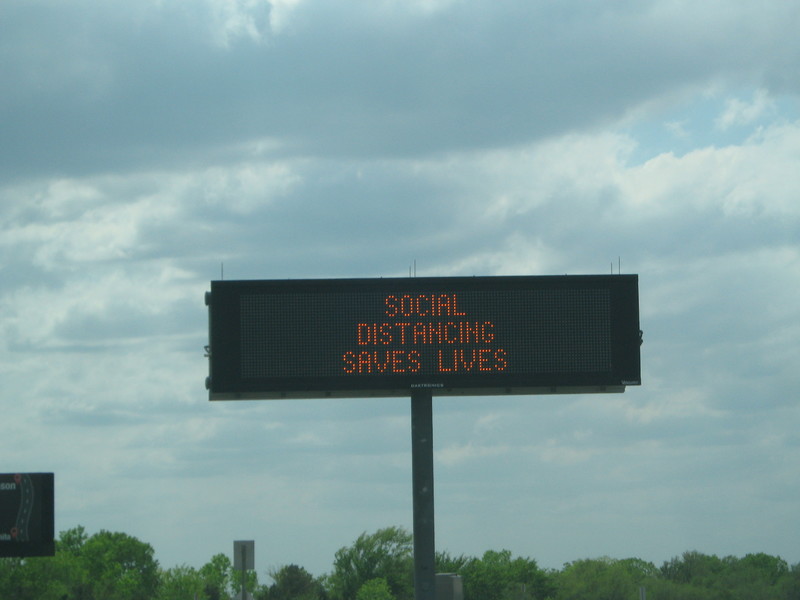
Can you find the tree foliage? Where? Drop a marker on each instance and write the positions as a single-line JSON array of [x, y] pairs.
[[181, 582], [292, 582], [447, 563], [217, 576], [498, 576], [374, 589], [120, 567], [379, 566], [385, 554], [112, 566], [597, 578], [753, 577]]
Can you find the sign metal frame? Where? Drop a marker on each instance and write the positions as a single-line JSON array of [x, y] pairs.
[[230, 319]]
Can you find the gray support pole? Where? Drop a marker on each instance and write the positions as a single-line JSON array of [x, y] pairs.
[[244, 569], [422, 489]]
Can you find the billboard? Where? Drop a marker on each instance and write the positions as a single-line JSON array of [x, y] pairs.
[[26, 514], [317, 338]]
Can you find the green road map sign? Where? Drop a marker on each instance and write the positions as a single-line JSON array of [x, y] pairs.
[[26, 514]]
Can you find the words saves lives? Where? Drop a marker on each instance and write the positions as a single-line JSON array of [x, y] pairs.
[[451, 360], [424, 333]]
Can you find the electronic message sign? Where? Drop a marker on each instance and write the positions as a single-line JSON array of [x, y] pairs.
[[453, 335], [26, 514]]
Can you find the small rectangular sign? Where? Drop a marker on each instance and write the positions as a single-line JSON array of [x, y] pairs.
[[452, 335], [244, 555]]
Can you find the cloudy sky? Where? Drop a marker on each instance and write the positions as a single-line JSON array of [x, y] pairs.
[[146, 146]]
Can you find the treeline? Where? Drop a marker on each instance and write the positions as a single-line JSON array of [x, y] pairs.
[[379, 566]]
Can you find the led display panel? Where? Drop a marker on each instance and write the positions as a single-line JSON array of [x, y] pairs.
[[26, 514], [454, 335]]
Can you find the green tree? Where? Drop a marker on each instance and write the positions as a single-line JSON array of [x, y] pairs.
[[119, 567], [69, 553], [72, 540], [447, 563], [639, 569], [602, 578], [180, 583], [292, 582], [763, 567], [32, 579], [111, 566], [754, 577], [664, 589], [48, 577], [217, 577], [498, 576], [693, 567], [385, 554], [790, 584], [375, 589]]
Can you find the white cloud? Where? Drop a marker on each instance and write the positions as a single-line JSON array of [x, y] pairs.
[[678, 129], [459, 453], [752, 180], [364, 79], [242, 188], [253, 21], [740, 112], [563, 454]]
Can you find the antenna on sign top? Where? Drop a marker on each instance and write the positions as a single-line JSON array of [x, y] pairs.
[[619, 265], [222, 271], [412, 269]]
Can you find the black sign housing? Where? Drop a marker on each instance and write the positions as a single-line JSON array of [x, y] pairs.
[[454, 335]]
